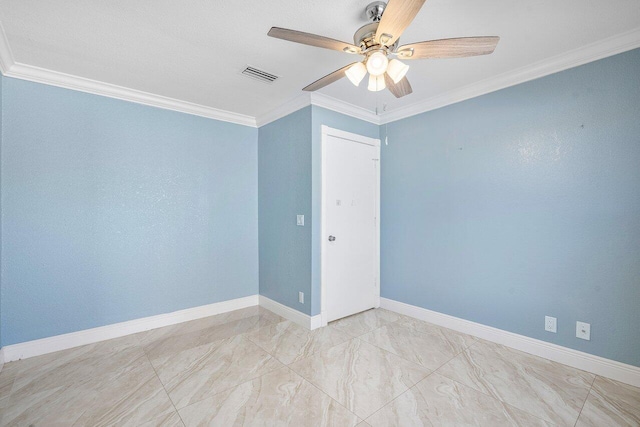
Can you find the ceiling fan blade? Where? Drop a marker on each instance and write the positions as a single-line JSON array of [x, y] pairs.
[[399, 89], [395, 19], [328, 79], [449, 48], [312, 40]]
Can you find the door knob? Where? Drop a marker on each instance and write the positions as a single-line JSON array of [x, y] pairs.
[[332, 238]]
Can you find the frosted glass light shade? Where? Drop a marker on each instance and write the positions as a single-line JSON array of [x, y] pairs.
[[376, 83], [377, 63], [356, 73], [397, 70]]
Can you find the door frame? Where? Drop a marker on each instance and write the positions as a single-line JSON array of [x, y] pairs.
[[326, 132]]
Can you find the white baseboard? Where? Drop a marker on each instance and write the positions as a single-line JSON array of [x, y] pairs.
[[304, 320], [1, 358], [608, 368], [89, 336]]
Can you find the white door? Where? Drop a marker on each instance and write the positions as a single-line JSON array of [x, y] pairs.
[[350, 236]]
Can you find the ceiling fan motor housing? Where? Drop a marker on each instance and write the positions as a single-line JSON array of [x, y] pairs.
[[365, 37], [374, 10]]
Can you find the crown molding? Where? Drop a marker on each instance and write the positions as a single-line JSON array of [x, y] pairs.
[[6, 56], [592, 52], [343, 107], [598, 50], [11, 68], [319, 100], [67, 81], [291, 106]]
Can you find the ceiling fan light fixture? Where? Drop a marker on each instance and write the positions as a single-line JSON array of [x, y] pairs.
[[376, 83], [377, 63], [397, 70], [356, 73]]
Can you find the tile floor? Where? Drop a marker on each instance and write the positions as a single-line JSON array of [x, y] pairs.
[[251, 367]]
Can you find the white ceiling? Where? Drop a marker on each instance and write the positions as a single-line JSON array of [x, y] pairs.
[[194, 50]]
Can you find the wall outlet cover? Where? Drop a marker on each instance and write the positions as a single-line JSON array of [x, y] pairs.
[[550, 324], [299, 219], [583, 330], [301, 297]]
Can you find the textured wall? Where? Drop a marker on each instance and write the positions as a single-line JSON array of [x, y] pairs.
[[523, 203], [1, 84], [284, 191], [113, 211]]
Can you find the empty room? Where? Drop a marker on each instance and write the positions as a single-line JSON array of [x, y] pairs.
[[303, 213]]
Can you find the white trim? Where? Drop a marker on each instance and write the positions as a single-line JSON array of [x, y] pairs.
[[11, 68], [297, 103], [304, 320], [6, 56], [325, 132], [88, 336], [67, 81], [592, 52], [618, 371], [1, 358], [320, 100]]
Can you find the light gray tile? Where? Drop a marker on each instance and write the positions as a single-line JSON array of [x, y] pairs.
[[538, 386], [74, 371], [204, 331], [431, 348], [259, 313], [289, 342], [171, 419], [91, 351], [458, 339], [280, 398], [360, 376], [611, 403], [203, 371], [127, 397], [440, 401], [7, 377], [364, 322]]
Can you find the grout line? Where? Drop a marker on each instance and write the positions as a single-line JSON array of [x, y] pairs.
[[326, 394], [164, 388], [595, 377], [398, 396], [484, 392]]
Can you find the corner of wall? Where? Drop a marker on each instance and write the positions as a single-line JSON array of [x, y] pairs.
[[284, 191]]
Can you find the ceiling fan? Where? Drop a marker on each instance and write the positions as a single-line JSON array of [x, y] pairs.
[[378, 41]]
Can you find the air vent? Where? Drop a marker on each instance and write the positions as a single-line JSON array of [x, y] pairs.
[[263, 76]]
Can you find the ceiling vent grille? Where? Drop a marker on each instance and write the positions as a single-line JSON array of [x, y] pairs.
[[257, 74]]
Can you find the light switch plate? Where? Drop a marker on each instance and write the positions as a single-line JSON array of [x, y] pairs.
[[300, 220]]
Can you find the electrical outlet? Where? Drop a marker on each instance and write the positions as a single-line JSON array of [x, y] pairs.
[[550, 324], [301, 297], [583, 331], [300, 220]]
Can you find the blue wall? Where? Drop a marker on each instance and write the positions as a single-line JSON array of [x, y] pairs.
[[322, 116], [113, 211], [284, 191], [1, 114], [523, 203], [289, 167]]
